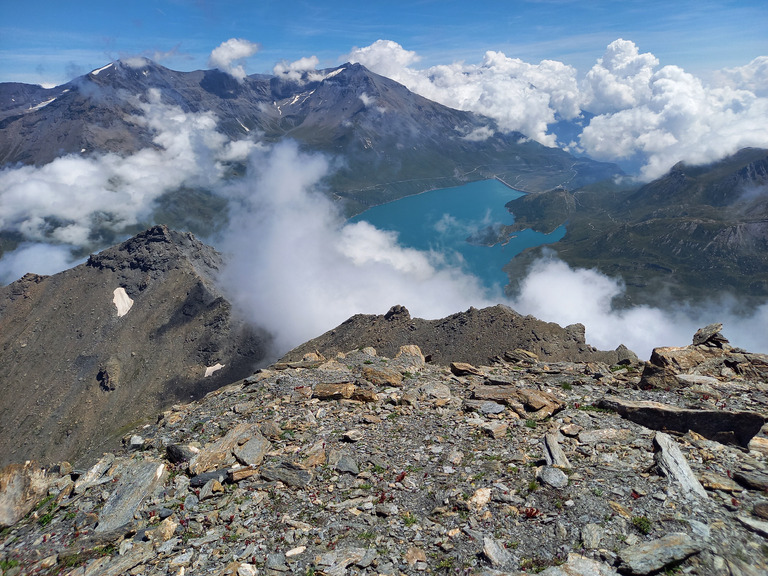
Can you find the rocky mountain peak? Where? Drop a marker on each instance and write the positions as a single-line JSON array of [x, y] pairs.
[[475, 336], [155, 252], [136, 328]]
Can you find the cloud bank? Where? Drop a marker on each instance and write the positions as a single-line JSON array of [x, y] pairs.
[[300, 270], [658, 116], [78, 203]]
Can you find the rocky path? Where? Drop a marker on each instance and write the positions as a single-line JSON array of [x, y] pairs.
[[372, 465]]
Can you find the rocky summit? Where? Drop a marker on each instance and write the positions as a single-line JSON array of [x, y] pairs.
[[475, 336], [361, 463], [91, 352]]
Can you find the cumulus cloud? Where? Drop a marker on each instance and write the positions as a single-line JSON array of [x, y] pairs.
[[752, 76], [654, 116], [555, 292], [229, 56], [667, 115], [519, 96], [296, 70]]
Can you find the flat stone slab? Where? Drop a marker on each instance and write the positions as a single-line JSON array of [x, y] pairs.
[[287, 473], [736, 428], [220, 453], [649, 557], [136, 482]]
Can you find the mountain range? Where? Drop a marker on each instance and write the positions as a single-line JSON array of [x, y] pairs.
[[694, 234], [392, 142]]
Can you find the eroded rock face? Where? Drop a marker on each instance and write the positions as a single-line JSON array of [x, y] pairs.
[[21, 488]]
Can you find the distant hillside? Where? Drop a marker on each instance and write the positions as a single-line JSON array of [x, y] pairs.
[[697, 231]]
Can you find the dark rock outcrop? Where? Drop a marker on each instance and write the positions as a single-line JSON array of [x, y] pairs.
[[474, 336]]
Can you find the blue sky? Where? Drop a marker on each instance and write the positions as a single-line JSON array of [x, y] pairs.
[[52, 41]]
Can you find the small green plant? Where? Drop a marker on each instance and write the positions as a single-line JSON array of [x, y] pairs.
[[107, 550], [8, 563], [530, 423], [445, 564], [366, 486], [597, 492], [533, 486], [642, 523], [566, 386], [476, 477], [409, 519], [367, 535], [407, 375], [46, 518], [535, 564], [43, 502], [378, 469]]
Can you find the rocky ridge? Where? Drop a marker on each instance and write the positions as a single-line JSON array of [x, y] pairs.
[[476, 336], [364, 464]]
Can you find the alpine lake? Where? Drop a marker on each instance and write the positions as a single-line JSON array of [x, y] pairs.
[[463, 225]]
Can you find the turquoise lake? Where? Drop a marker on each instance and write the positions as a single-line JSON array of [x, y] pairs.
[[442, 220]]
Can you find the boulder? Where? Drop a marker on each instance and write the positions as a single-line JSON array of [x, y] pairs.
[[136, 482], [221, 453], [649, 557], [21, 487]]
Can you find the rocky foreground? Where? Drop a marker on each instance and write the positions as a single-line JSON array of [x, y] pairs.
[[363, 464]]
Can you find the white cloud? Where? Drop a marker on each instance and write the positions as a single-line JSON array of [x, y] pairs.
[[299, 270], [658, 116], [673, 117], [555, 292], [297, 69], [619, 80], [752, 76], [519, 96], [229, 56]]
